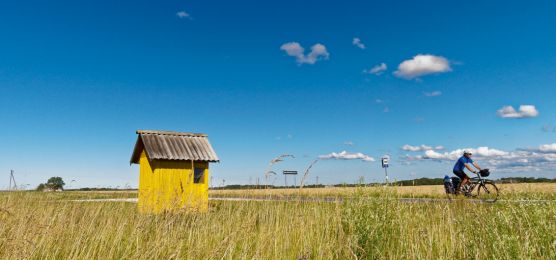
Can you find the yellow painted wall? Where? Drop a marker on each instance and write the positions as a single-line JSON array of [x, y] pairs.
[[168, 186]]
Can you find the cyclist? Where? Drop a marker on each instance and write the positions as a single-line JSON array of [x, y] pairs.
[[464, 162]]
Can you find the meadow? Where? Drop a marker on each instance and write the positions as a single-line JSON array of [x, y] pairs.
[[56, 225]]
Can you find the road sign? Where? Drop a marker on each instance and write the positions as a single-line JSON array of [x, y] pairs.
[[385, 161], [290, 172]]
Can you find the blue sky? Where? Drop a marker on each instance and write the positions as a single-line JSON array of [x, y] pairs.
[[78, 78]]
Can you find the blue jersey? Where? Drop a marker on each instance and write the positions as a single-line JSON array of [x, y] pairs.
[[460, 164]]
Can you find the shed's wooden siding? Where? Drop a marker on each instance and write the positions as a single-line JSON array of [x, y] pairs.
[[168, 186]]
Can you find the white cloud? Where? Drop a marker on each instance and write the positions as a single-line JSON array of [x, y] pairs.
[[422, 64], [294, 49], [524, 111], [422, 147], [348, 156], [548, 147], [357, 42], [541, 158], [377, 70], [183, 14], [433, 94]]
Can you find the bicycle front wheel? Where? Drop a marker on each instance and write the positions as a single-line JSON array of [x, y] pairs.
[[487, 192]]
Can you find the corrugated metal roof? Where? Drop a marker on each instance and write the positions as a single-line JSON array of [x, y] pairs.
[[166, 145]]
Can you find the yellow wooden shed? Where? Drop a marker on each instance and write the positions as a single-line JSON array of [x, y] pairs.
[[173, 170]]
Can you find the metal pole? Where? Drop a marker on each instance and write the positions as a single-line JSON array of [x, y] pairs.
[[285, 180], [386, 172]]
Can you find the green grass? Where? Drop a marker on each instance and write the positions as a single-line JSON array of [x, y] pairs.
[[38, 225]]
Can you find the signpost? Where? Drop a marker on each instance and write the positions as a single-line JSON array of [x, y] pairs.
[[286, 173], [385, 161]]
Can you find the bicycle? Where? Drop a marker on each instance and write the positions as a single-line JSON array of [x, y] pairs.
[[477, 187]]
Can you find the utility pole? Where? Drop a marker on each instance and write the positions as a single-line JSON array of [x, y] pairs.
[[317, 181]]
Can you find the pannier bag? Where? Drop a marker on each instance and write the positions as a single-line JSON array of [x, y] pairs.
[[448, 185]]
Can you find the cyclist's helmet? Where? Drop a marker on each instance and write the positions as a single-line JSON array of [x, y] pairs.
[[467, 152]]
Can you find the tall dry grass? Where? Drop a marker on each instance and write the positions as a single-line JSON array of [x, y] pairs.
[[38, 225], [520, 191]]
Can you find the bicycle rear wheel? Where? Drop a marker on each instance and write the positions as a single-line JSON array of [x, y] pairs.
[[487, 192]]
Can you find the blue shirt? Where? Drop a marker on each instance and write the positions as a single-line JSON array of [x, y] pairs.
[[460, 164]]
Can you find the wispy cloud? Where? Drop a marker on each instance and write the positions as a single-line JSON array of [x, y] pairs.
[[422, 64], [294, 49], [349, 143], [422, 147], [524, 111], [344, 155], [183, 14], [357, 42], [377, 69], [432, 94]]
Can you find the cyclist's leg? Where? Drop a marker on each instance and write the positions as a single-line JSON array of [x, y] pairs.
[[464, 182], [463, 177]]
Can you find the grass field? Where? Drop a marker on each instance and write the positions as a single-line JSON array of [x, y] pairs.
[[526, 191], [51, 225]]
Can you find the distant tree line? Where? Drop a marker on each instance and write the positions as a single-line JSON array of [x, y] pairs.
[[416, 182], [526, 180], [57, 184]]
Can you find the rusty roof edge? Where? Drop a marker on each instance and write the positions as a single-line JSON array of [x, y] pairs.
[[157, 132], [213, 152]]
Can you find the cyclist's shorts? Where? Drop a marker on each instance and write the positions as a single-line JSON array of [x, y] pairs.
[[461, 174]]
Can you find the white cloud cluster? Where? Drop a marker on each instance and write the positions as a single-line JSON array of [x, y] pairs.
[[454, 155], [524, 111], [541, 158], [377, 70], [294, 49], [548, 148], [357, 42], [422, 64], [422, 147], [433, 94], [344, 155], [183, 14]]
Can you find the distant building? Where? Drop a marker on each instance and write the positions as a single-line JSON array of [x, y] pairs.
[[173, 170]]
